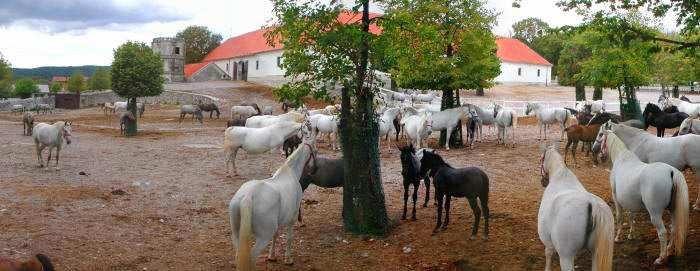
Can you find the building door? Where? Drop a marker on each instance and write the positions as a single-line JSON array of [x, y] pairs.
[[244, 70], [234, 73]]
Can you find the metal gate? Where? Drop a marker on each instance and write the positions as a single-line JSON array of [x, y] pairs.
[[67, 100]]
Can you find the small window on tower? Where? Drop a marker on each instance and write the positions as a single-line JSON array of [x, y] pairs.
[[520, 71], [177, 50], [538, 72], [257, 64], [279, 61]]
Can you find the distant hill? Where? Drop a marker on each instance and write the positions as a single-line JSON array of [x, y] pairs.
[[48, 72]]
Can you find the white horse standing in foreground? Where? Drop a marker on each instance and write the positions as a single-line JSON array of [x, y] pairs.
[[260, 207], [505, 118], [256, 140], [570, 218], [417, 127], [547, 116], [52, 136], [655, 187], [679, 152]]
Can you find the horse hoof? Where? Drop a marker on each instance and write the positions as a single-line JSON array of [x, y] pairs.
[[617, 240], [659, 261], [485, 238], [696, 207], [473, 237], [413, 218], [289, 263]]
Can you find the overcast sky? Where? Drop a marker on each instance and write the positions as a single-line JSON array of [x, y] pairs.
[[84, 32]]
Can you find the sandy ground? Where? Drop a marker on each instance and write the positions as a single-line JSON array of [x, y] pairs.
[[159, 202]]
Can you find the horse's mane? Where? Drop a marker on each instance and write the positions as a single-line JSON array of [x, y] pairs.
[[652, 108], [437, 159], [617, 147]]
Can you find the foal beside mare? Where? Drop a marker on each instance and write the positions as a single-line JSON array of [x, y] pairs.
[[410, 170]]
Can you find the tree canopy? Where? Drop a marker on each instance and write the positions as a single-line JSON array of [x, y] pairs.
[[76, 82], [530, 29], [137, 71], [199, 41], [55, 87], [100, 80], [25, 87], [5, 78]]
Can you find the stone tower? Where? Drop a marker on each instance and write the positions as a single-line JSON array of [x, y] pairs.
[[172, 51]]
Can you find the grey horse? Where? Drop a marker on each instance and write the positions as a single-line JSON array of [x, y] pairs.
[[323, 172], [189, 109]]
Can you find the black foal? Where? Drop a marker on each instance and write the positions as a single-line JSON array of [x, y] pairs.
[[410, 169]]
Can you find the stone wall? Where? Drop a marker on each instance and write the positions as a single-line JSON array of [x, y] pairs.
[[6, 105]]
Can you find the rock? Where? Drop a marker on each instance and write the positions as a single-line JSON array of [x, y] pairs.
[[118, 192], [82, 173], [407, 249]]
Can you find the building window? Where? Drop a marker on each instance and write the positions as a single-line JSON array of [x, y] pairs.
[[227, 67], [177, 50], [520, 72], [538, 72], [257, 65], [279, 61]]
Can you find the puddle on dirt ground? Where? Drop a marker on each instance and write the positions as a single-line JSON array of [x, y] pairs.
[[202, 146]]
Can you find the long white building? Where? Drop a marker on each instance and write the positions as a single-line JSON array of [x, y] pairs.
[[249, 56]]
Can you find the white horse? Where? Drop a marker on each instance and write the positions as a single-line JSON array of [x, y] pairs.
[[689, 126], [256, 140], [120, 106], [52, 136], [17, 108], [328, 125], [243, 111], [693, 110], [386, 124], [505, 118], [417, 127], [679, 152], [570, 218], [448, 119], [264, 121], [655, 187], [597, 106], [547, 116], [426, 98], [267, 110], [260, 207], [486, 117]]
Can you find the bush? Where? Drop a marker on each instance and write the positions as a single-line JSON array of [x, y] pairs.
[[55, 87], [24, 88], [76, 82]]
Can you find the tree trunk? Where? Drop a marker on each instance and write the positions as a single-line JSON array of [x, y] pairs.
[[364, 210], [580, 91], [629, 106], [676, 91], [480, 91], [597, 93], [131, 127]]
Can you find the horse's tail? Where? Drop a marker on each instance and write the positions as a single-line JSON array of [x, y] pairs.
[[514, 119], [45, 262], [603, 234], [244, 235], [679, 211]]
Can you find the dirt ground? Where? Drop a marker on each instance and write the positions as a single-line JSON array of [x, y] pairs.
[[158, 201]]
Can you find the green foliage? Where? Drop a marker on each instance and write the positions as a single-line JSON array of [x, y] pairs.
[[46, 73], [76, 82], [55, 87], [672, 68], [574, 51], [5, 78], [25, 87], [101, 80], [199, 41], [550, 45], [137, 71], [530, 29], [441, 45]]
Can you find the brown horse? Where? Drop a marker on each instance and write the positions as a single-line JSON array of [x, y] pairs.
[[37, 263], [28, 123], [584, 133]]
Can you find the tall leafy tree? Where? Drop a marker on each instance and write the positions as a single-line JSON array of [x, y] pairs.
[[76, 82], [530, 29], [137, 71], [199, 41], [5, 78], [551, 44], [672, 69], [445, 45], [574, 52], [321, 52], [101, 79], [55, 87], [25, 87]]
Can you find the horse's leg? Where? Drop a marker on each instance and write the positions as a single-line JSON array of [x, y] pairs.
[[232, 158], [448, 198], [415, 198], [631, 215], [477, 216], [696, 206], [447, 140], [484, 200], [48, 161], [566, 262], [405, 198], [566, 149], [618, 220], [439, 197], [288, 251], [548, 252], [426, 180], [271, 256], [58, 152], [573, 152], [39, 148], [658, 222]]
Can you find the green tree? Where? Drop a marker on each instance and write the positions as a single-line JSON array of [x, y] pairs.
[[551, 44], [321, 52], [5, 78], [76, 82], [100, 80], [672, 69], [199, 41], [574, 52], [530, 29], [445, 45], [137, 71], [25, 87], [55, 87]]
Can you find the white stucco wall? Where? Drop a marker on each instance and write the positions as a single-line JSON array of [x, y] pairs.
[[267, 64], [528, 73]]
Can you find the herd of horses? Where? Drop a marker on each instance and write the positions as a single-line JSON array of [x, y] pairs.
[[645, 175]]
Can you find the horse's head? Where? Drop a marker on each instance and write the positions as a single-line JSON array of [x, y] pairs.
[[686, 127], [67, 131], [604, 144], [529, 108], [608, 126], [544, 174]]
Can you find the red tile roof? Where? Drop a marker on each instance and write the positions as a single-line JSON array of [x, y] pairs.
[[254, 42], [513, 50], [191, 69], [59, 79]]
